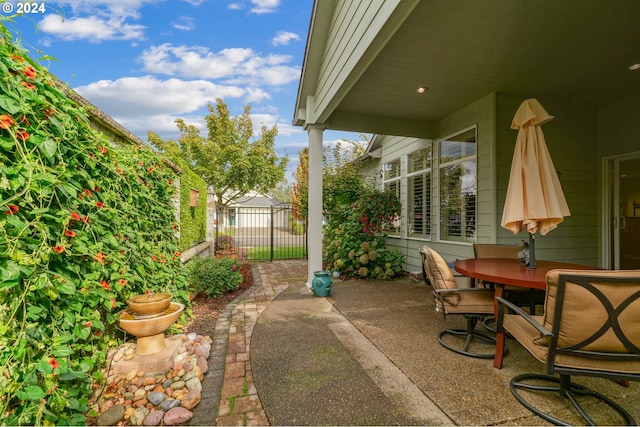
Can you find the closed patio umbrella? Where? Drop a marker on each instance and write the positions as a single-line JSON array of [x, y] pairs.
[[535, 201]]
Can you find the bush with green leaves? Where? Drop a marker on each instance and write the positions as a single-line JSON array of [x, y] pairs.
[[214, 277], [84, 225], [295, 226], [355, 235]]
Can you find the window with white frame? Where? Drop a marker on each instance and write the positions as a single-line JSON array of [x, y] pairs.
[[458, 187], [391, 179], [419, 193]]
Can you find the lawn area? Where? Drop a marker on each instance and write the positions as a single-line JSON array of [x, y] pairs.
[[279, 252]]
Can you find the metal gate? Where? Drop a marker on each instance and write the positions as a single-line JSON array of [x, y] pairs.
[[263, 233]]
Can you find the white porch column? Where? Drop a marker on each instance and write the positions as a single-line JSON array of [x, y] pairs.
[[314, 228]]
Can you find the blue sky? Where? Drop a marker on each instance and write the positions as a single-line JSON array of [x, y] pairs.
[[148, 62]]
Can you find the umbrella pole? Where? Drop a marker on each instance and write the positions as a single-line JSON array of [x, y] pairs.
[[532, 251]]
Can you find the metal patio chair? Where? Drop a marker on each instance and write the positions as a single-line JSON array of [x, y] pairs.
[[474, 304], [590, 327]]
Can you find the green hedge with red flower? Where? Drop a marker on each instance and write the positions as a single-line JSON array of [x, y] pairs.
[[358, 217], [84, 225]]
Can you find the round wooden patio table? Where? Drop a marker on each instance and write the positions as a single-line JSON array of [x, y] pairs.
[[509, 271]]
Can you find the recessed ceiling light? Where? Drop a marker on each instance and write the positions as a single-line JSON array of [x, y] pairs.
[[422, 89], [634, 67]]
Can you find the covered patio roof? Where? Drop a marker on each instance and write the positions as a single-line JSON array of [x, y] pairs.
[[460, 51]]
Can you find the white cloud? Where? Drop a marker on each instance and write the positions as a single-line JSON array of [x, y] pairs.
[[256, 95], [233, 65], [184, 23], [97, 20], [264, 6], [285, 128], [92, 28], [137, 97], [283, 38]]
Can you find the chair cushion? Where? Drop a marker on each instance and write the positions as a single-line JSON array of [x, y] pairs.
[[527, 335], [442, 276], [496, 251], [472, 301], [579, 301]]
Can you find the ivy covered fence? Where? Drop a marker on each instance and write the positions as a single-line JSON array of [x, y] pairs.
[[84, 225]]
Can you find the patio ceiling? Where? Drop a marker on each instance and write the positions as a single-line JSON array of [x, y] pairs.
[[575, 50]]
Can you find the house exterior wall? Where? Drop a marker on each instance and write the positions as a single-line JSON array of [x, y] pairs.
[[619, 127], [572, 141], [370, 171], [481, 115]]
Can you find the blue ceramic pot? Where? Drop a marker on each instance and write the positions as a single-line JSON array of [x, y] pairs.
[[321, 283]]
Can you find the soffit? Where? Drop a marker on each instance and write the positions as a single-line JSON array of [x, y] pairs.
[[574, 50]]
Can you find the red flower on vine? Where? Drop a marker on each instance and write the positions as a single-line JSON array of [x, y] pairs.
[[105, 285], [99, 257], [88, 192], [88, 324], [122, 282], [13, 209], [54, 363], [113, 303], [99, 204], [28, 85], [58, 249], [6, 121], [22, 135], [103, 150], [75, 216], [70, 233], [17, 58], [30, 72]]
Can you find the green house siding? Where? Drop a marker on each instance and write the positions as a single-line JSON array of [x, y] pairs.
[[572, 139]]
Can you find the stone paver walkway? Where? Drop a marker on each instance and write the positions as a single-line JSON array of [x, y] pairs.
[[239, 402]]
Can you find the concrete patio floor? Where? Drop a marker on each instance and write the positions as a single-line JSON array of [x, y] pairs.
[[365, 355]]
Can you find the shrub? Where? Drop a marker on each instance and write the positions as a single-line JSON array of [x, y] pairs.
[[224, 242], [355, 238], [296, 226], [214, 277]]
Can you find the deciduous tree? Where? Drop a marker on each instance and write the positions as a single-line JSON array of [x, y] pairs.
[[336, 160], [230, 163]]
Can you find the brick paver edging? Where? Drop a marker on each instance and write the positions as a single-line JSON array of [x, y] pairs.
[[229, 393]]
